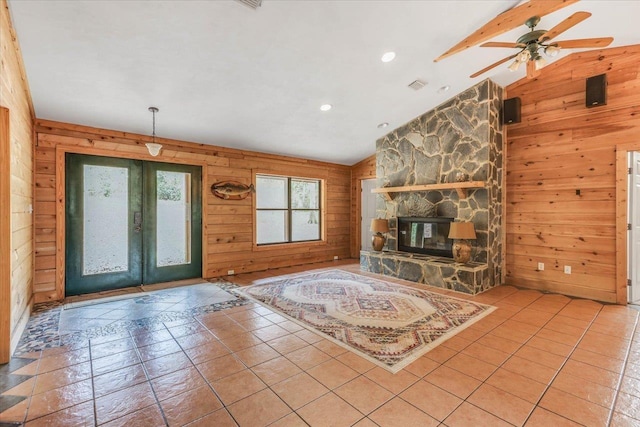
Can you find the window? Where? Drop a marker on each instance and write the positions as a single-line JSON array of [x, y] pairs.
[[287, 209]]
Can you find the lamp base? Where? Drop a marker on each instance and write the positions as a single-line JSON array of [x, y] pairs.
[[461, 251], [378, 241]]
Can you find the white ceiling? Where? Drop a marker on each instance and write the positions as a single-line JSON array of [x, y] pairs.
[[222, 73]]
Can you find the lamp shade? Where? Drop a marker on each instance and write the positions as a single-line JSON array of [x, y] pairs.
[[462, 230], [380, 225]]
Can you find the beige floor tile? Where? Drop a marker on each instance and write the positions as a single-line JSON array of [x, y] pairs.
[[78, 415], [468, 415], [118, 380], [299, 390], [543, 418], [276, 370], [308, 357], [439, 403], [219, 418], [591, 373], [584, 389], [332, 373], [471, 366], [397, 412], [628, 405], [287, 344], [363, 394], [146, 417], [237, 386], [574, 408], [329, 410], [60, 398], [453, 381], [112, 347], [207, 351], [395, 383], [220, 367], [260, 409], [518, 385], [177, 382], [162, 348], [422, 366], [115, 362], [598, 360], [123, 402], [530, 369], [190, 406], [501, 404], [167, 364], [257, 354]]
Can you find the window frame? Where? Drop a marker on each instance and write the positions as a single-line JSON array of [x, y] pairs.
[[289, 210]]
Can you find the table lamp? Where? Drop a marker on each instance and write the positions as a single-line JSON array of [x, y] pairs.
[[379, 226], [462, 232]]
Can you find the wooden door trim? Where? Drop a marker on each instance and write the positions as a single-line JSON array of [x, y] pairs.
[[61, 151], [5, 237], [622, 233]]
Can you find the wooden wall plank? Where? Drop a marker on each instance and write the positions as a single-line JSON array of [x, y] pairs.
[[365, 169], [227, 224], [566, 180]]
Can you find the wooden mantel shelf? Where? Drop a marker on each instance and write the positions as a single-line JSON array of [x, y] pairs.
[[460, 187]]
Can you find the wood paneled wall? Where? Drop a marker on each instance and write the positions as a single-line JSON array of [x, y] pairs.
[[227, 224], [365, 169], [16, 190], [561, 179]]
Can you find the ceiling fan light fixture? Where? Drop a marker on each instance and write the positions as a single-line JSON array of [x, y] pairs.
[[523, 56], [540, 62], [552, 50], [514, 65]]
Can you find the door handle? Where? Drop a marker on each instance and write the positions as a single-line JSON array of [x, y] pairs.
[[137, 221]]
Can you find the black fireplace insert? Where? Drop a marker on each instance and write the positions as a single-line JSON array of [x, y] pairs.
[[428, 236]]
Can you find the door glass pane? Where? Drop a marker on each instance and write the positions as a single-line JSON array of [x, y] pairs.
[[105, 226], [305, 225], [173, 228], [271, 226]]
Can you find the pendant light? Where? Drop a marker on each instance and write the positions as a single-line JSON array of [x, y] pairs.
[[154, 147]]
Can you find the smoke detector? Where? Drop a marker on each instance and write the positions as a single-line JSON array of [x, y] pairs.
[[417, 84], [253, 4]]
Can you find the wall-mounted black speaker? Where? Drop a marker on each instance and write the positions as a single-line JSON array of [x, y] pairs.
[[596, 91], [511, 111]]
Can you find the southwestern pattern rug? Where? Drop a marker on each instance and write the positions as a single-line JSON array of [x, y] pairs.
[[389, 324]]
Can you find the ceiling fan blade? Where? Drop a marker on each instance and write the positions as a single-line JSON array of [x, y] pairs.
[[506, 21], [503, 44], [495, 64], [577, 43], [563, 26]]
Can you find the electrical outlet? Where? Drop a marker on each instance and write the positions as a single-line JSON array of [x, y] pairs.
[[231, 272], [567, 269], [540, 266], [335, 257]]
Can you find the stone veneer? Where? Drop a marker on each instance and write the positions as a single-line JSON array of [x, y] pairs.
[[462, 136], [470, 278]]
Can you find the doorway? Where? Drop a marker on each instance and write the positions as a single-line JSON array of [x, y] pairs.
[[130, 222], [633, 250], [368, 206]]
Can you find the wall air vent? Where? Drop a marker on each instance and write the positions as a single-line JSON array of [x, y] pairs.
[[417, 84], [253, 4]]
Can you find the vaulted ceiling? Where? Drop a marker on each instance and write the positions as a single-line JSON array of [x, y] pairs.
[[225, 74]]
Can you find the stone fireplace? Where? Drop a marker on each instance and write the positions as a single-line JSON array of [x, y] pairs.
[[458, 141]]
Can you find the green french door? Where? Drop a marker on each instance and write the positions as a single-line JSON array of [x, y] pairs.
[[130, 222]]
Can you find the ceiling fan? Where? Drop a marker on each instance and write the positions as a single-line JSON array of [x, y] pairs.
[[530, 12], [535, 41]]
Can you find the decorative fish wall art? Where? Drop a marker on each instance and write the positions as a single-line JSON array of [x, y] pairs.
[[232, 190]]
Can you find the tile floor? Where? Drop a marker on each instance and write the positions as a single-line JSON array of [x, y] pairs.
[[539, 360]]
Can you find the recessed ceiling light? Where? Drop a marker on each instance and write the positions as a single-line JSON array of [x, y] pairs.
[[326, 107], [383, 125], [443, 89], [388, 56]]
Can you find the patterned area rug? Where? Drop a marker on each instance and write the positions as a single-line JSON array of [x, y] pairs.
[[389, 324]]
